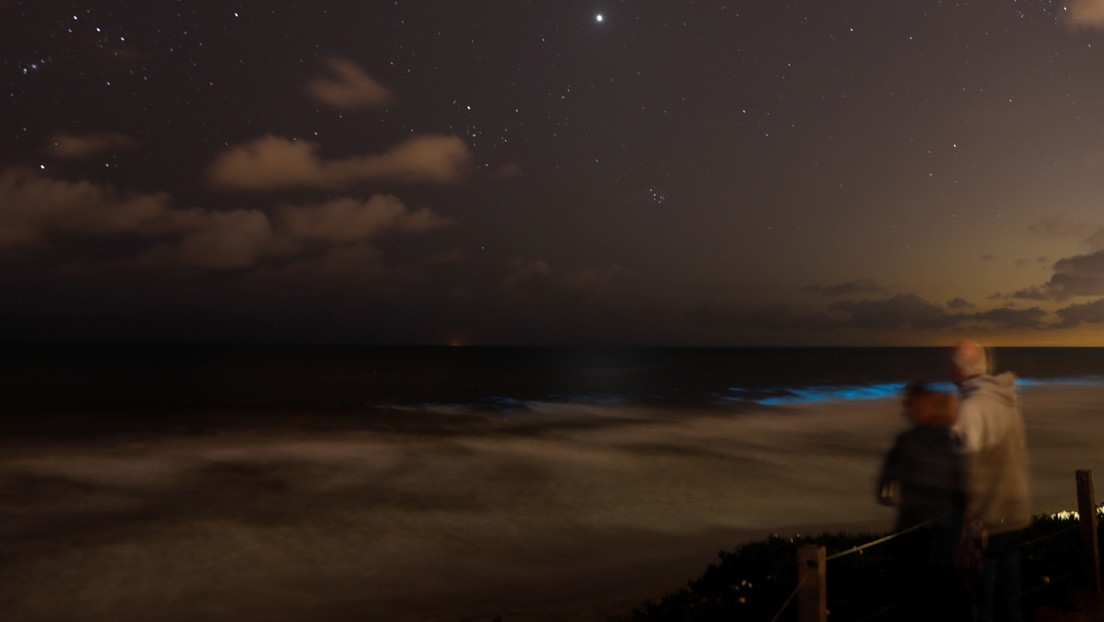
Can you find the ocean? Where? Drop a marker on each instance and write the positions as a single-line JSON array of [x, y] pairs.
[[162, 482]]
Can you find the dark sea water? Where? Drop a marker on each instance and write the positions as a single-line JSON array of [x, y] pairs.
[[346, 483], [315, 380]]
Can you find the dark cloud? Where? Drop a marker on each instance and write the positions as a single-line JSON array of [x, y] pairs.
[[591, 277], [522, 271], [1083, 313], [450, 257], [959, 303], [1060, 227], [772, 317], [1095, 241], [1091, 234], [858, 286], [1012, 318], [1035, 292], [903, 311], [1080, 275]]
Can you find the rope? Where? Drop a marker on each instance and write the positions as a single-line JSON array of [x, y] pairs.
[[891, 536], [884, 539], [1049, 536], [856, 549], [789, 599]]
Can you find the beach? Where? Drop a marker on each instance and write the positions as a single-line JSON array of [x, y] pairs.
[[561, 512]]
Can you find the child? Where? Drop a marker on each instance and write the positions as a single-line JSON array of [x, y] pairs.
[[923, 477]]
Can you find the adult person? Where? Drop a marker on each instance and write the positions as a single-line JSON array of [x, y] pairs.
[[923, 477], [990, 429]]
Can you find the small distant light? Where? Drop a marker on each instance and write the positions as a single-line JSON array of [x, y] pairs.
[[599, 17]]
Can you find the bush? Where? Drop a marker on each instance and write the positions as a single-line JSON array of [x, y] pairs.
[[754, 581]]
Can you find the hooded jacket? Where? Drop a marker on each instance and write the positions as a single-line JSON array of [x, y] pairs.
[[991, 430]]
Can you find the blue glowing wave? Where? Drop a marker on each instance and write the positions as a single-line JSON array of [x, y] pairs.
[[739, 396], [830, 393]]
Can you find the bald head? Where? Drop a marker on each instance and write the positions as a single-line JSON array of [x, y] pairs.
[[968, 359]]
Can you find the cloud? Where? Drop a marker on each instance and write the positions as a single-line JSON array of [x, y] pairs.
[[1035, 292], [858, 286], [342, 270], [229, 240], [350, 86], [1080, 275], [1095, 241], [271, 162], [520, 270], [903, 311], [80, 146], [243, 238], [37, 207], [1083, 313], [508, 171], [765, 317], [590, 277], [958, 303], [1086, 14], [452, 257], [350, 220], [1091, 234], [1006, 317], [1060, 227]]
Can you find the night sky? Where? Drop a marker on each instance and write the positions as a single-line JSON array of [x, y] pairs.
[[553, 172]]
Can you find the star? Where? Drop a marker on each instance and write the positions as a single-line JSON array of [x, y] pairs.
[[599, 17]]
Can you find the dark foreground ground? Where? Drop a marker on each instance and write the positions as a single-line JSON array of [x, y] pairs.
[[1083, 606]]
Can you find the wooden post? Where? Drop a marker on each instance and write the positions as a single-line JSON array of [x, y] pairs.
[[812, 596], [1090, 549]]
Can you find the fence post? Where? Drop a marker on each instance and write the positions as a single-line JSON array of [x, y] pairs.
[[812, 595], [1090, 549]]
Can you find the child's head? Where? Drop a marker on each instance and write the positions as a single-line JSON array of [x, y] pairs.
[[926, 407]]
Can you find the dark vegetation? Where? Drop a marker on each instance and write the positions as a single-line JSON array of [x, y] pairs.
[[754, 581]]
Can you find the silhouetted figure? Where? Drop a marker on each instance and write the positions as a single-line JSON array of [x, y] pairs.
[[923, 477], [998, 485]]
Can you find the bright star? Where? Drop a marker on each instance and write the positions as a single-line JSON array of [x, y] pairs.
[[598, 17]]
